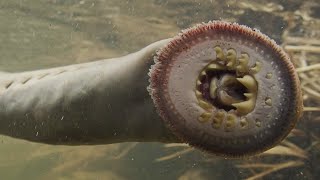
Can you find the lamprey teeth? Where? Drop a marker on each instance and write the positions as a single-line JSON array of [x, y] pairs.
[[243, 63], [248, 95], [215, 67], [204, 117], [245, 107], [226, 99], [244, 59], [256, 68], [198, 94], [230, 122], [269, 75], [227, 80], [205, 105], [231, 58], [258, 123], [213, 88], [243, 122], [219, 53], [203, 73], [248, 82], [218, 119], [198, 83], [268, 101]]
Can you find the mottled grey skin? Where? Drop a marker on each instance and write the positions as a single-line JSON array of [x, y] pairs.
[[99, 102]]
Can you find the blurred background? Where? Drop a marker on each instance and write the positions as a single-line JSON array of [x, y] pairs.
[[36, 34]]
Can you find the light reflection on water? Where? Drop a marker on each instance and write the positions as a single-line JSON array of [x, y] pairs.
[[38, 34]]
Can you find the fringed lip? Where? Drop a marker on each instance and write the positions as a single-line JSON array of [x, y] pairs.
[[232, 143]]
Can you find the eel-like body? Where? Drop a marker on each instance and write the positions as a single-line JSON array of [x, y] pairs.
[[92, 103], [221, 87]]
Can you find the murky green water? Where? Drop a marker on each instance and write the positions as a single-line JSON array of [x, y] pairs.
[[36, 34]]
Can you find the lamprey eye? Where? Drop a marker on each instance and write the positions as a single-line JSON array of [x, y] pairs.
[[226, 89]]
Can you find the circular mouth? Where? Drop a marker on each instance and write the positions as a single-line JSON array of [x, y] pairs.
[[221, 90], [226, 83], [226, 89]]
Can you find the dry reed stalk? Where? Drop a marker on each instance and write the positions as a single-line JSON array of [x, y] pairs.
[[287, 149], [308, 109], [270, 168], [308, 68], [125, 150], [174, 155]]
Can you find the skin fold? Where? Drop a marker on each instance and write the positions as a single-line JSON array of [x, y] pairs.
[[100, 102]]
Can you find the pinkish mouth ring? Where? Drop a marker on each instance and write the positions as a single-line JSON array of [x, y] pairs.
[[226, 89]]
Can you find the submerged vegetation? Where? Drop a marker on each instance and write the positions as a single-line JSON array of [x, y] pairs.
[[36, 36]]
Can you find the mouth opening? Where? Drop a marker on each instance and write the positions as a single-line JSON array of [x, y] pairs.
[[222, 89]]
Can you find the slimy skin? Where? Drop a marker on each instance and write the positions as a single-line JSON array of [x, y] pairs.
[[99, 102]]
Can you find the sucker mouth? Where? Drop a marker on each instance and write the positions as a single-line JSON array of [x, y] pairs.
[[228, 83], [226, 89]]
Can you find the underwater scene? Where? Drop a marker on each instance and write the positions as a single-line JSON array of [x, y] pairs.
[[40, 34]]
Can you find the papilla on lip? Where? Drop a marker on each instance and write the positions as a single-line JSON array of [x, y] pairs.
[[220, 87]]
